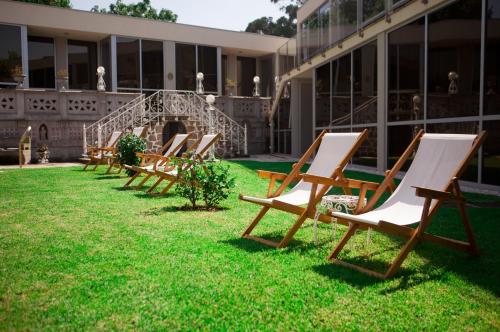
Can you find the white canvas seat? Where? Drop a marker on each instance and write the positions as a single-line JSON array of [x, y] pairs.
[[152, 162], [170, 173], [334, 150], [432, 178], [437, 158]]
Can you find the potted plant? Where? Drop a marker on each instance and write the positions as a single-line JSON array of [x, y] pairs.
[[230, 84], [18, 76], [43, 154], [62, 79]]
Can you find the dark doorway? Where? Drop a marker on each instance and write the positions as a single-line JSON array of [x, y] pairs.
[[172, 128]]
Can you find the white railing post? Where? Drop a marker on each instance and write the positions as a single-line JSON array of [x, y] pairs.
[[99, 140], [245, 147], [84, 139]]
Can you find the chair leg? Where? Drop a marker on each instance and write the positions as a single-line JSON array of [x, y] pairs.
[[468, 229], [95, 167], [131, 179], [108, 171], [143, 182], [167, 188], [254, 223], [150, 190], [291, 232], [86, 165], [350, 232], [396, 264]]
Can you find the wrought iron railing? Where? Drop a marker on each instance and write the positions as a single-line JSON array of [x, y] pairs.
[[172, 103]]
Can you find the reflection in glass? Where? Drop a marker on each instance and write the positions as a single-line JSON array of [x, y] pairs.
[[454, 47], [247, 69], [106, 61], [323, 96], [152, 64], [492, 60], [185, 66], [367, 153], [406, 72], [372, 8], [41, 62], [347, 17], [127, 62], [82, 65], [398, 139], [365, 84], [10, 51], [282, 131], [470, 173], [491, 153], [207, 64], [341, 91]]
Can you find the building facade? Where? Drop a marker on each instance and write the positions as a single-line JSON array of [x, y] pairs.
[[394, 67], [140, 56]]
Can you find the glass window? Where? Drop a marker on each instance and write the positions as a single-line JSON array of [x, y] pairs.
[[82, 65], [106, 61], [10, 51], [454, 60], [207, 64], [398, 139], [341, 91], [367, 152], [246, 71], [406, 72], [365, 84], [314, 34], [324, 18], [347, 17], [41, 62], [491, 153], [372, 8], [323, 96], [492, 61], [127, 62], [470, 173], [152, 64], [185, 66]]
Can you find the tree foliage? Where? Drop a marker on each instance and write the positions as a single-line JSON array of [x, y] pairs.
[[56, 3], [285, 26], [140, 9]]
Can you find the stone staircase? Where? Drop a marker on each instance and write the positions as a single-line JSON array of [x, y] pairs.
[[163, 106]]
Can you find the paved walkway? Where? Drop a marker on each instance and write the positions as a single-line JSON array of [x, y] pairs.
[[41, 165]]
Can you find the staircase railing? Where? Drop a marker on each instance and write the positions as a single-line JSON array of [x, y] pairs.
[[167, 103]]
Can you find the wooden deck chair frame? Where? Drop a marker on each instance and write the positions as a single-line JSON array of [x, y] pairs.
[[337, 179], [114, 162], [97, 155], [172, 179], [155, 159], [418, 234]]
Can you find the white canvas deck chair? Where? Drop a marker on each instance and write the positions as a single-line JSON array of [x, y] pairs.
[[97, 156], [114, 161], [150, 162], [431, 179], [170, 172], [334, 152]]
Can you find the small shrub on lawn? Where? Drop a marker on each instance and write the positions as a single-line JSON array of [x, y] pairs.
[[203, 181], [128, 146]]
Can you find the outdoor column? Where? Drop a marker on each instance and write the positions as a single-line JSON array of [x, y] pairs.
[[381, 104]]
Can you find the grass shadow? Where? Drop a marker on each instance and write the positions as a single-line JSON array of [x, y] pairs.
[[184, 208], [108, 177], [145, 195], [247, 245]]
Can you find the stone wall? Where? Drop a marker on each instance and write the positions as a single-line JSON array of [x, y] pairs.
[[56, 118], [253, 112]]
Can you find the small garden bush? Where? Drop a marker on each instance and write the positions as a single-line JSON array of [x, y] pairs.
[[210, 182], [128, 146]]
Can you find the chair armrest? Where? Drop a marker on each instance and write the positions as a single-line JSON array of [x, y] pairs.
[[436, 194], [357, 184], [270, 175], [149, 155], [323, 180]]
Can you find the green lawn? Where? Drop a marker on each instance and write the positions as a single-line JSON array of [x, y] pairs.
[[79, 253]]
